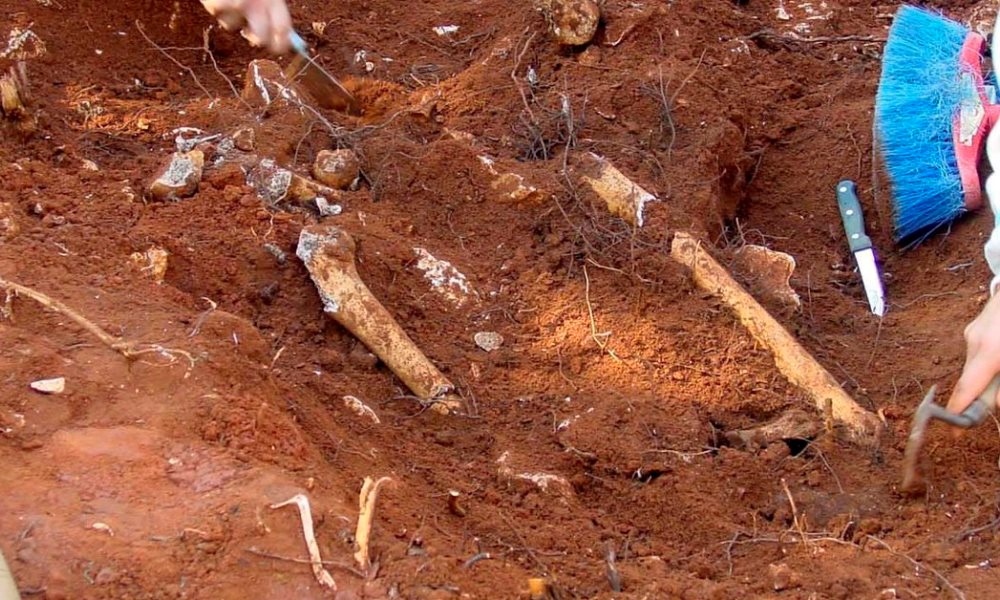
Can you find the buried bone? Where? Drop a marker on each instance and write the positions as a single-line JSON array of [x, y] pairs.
[[625, 198], [328, 254], [793, 425], [791, 359]]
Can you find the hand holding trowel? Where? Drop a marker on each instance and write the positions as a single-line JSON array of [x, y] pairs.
[[324, 87]]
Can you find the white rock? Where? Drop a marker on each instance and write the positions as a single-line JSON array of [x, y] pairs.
[[488, 340], [56, 385]]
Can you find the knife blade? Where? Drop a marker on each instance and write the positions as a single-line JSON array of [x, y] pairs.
[[324, 87], [861, 245]]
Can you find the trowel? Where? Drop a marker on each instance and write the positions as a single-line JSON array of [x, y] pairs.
[[324, 87], [975, 414]]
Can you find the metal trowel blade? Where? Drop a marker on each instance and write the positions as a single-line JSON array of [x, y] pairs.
[[324, 87]]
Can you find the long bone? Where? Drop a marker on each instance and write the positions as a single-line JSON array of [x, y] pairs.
[[328, 253]]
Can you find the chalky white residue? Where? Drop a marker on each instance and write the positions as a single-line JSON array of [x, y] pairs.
[[444, 277]]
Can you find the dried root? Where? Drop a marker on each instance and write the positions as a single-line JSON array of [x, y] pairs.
[[366, 501], [14, 92]]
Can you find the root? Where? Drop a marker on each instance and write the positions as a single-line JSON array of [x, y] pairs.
[[366, 501], [603, 345], [130, 350]]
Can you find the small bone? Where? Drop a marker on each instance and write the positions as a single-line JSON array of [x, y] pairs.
[[361, 409], [328, 254], [768, 272], [315, 559], [793, 425], [625, 198], [366, 502], [792, 360]]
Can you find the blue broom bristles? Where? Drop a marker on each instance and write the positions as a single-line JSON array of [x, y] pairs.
[[919, 94]]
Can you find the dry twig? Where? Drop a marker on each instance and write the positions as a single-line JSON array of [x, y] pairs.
[[957, 593], [603, 345], [189, 70], [129, 350]]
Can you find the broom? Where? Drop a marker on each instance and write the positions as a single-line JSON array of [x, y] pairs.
[[932, 113]]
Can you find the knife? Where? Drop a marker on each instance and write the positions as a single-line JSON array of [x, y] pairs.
[[861, 244], [324, 87]]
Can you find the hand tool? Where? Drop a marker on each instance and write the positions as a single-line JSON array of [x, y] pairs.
[[861, 245], [324, 87], [932, 112], [974, 414]]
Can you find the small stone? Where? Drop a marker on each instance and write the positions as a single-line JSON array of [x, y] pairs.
[[56, 385], [105, 576], [326, 209], [8, 223], [590, 57], [782, 577], [488, 340], [267, 87], [572, 22], [245, 139], [337, 168], [152, 262], [275, 184], [180, 178]]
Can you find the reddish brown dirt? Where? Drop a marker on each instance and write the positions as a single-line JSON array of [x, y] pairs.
[[181, 460]]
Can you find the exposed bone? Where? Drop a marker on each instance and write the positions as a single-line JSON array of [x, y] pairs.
[[768, 273], [14, 92], [315, 559], [792, 360], [509, 185], [153, 262], [625, 198], [361, 409], [366, 501], [546, 482], [328, 254], [793, 425]]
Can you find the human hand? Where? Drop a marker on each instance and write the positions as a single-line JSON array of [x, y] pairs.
[[982, 359], [264, 22]]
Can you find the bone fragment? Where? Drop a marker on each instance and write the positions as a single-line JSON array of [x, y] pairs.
[[625, 198], [792, 360], [793, 425], [315, 559], [328, 253]]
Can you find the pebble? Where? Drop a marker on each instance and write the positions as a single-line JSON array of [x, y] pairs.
[[8, 223], [782, 577], [337, 168], [572, 22], [56, 385], [245, 139], [180, 178], [488, 340]]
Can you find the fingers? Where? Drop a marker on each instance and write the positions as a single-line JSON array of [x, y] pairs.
[[267, 22], [978, 371], [281, 27]]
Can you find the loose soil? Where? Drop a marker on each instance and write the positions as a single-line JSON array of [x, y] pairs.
[[616, 373]]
